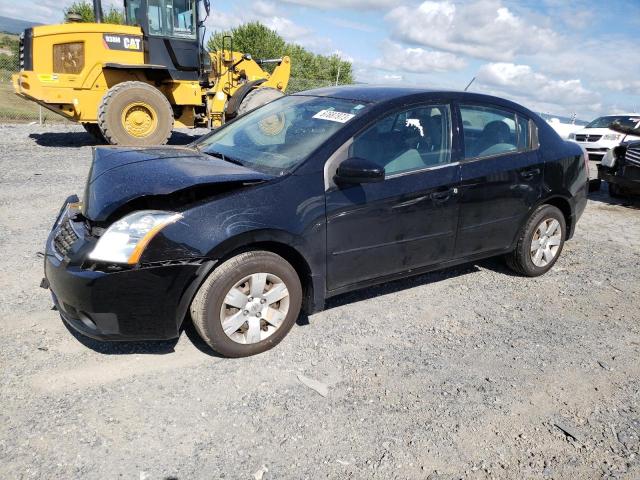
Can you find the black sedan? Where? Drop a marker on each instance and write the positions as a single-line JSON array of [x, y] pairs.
[[310, 196]]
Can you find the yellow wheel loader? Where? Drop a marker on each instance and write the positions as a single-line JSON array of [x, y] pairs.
[[131, 84]]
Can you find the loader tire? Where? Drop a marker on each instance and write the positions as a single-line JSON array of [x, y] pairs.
[[93, 129], [136, 114], [257, 98]]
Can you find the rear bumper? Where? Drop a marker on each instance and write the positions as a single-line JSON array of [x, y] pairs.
[[142, 303], [579, 203], [46, 91]]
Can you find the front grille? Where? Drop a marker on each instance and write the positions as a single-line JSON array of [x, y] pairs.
[[588, 138], [65, 238], [632, 155]]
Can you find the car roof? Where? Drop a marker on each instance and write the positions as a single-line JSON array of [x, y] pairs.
[[381, 94], [366, 93]]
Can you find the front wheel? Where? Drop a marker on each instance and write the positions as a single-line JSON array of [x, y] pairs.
[[248, 304], [540, 242], [257, 98]]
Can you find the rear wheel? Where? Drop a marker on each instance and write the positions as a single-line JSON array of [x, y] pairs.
[[93, 129], [135, 113], [540, 242], [248, 304]]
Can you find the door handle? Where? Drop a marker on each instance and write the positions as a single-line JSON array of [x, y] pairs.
[[529, 174], [443, 195]]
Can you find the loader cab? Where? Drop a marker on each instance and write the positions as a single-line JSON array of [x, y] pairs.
[[171, 34]]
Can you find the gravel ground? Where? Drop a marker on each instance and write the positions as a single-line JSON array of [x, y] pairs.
[[466, 373]]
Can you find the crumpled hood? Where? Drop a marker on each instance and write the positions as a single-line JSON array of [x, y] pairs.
[[121, 174]]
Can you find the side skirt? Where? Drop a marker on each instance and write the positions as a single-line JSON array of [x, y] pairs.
[[415, 271]]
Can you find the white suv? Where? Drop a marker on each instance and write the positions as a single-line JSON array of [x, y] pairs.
[[596, 138]]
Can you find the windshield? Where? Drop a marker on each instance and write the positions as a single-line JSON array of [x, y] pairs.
[[281, 135], [624, 120]]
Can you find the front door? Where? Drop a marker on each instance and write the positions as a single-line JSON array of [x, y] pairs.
[[407, 221]]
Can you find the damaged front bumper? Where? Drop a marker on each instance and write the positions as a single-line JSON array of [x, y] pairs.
[[627, 177], [146, 302]]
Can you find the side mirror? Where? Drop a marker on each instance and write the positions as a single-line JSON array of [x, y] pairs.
[[356, 170]]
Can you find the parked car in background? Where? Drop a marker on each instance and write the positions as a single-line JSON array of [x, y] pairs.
[[620, 167], [564, 129], [597, 137], [313, 195]]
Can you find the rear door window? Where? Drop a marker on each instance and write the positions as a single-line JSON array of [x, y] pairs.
[[488, 131]]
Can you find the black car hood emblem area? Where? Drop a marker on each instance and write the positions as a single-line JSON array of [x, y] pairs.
[[120, 176]]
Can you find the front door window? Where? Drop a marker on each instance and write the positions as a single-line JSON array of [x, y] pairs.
[[406, 141]]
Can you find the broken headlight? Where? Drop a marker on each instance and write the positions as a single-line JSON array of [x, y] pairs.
[[125, 240]]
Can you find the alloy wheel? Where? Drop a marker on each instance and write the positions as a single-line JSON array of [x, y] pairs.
[[254, 308], [545, 242]]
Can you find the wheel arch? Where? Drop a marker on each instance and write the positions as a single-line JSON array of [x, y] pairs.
[[295, 258], [559, 201], [280, 246], [279, 242], [564, 205]]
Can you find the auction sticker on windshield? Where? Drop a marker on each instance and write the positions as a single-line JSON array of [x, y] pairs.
[[333, 116]]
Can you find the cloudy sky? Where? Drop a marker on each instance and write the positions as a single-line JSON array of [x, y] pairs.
[[559, 56]]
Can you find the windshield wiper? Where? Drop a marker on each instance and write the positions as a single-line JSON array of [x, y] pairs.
[[224, 157]]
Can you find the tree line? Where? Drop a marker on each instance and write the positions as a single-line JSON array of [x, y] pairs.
[[308, 69], [9, 46]]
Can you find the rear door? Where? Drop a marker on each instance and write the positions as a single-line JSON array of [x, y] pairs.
[[406, 221], [501, 177]]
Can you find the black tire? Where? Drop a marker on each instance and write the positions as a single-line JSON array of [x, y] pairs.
[[520, 259], [594, 185], [93, 129], [257, 98], [147, 99], [615, 191], [208, 301]]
